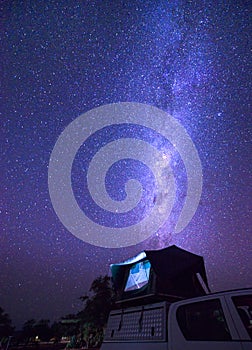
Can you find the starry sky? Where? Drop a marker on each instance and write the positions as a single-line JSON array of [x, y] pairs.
[[61, 59]]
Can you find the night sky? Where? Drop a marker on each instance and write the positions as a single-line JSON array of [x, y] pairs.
[[60, 59]]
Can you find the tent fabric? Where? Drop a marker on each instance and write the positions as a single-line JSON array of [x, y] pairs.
[[173, 272], [173, 261]]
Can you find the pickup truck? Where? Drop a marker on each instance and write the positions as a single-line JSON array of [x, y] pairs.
[[214, 321]]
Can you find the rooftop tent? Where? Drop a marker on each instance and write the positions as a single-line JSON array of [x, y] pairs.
[[171, 271]]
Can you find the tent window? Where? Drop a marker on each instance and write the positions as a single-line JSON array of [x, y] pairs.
[[138, 276]]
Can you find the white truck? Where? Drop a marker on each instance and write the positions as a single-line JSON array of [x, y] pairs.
[[216, 321]]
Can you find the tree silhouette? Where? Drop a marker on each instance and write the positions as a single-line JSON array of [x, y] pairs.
[[6, 328], [87, 325], [43, 330], [97, 306], [96, 310], [28, 330]]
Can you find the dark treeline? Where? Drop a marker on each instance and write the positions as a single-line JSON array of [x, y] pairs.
[[83, 329]]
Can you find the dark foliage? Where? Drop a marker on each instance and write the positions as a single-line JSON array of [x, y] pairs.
[[97, 306], [6, 328], [86, 326]]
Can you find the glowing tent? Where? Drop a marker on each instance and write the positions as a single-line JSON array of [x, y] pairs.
[[171, 273]]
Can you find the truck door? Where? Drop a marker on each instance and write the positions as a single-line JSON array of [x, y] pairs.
[[201, 325], [240, 306]]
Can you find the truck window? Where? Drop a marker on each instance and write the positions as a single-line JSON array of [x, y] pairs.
[[243, 305], [203, 320]]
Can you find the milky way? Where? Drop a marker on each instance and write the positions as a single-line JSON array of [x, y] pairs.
[[191, 59]]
